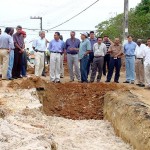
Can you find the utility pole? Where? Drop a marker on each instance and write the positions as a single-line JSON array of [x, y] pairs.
[[41, 22], [126, 10]]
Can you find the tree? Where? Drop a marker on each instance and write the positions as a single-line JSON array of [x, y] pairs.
[[139, 23]]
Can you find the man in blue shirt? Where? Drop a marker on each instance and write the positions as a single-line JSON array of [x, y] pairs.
[[56, 47], [72, 48], [85, 49], [129, 51]]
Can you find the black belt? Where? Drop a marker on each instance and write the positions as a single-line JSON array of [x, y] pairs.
[[72, 53], [98, 56], [40, 51], [56, 52], [139, 58]]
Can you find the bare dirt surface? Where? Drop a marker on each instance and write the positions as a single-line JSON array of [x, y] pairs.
[[24, 127]]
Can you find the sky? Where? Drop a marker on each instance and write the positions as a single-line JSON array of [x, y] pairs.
[[55, 12]]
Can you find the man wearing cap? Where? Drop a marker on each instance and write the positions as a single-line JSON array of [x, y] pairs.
[[72, 48], [84, 50], [39, 47], [19, 49], [139, 63], [56, 47], [6, 44]]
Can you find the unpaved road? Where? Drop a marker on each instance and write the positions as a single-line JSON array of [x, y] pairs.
[[24, 127]]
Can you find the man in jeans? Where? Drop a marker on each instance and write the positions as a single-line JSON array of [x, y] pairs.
[[147, 64], [72, 48], [100, 51], [6, 44], [11, 58], [84, 50], [115, 51], [129, 51]]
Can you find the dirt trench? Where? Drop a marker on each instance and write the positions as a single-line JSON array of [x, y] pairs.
[[70, 100]]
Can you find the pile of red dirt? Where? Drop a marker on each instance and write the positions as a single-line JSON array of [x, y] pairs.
[[75, 101], [28, 83]]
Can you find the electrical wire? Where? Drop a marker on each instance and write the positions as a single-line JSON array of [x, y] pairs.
[[62, 22]]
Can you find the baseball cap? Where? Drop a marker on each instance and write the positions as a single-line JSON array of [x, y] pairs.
[[85, 34]]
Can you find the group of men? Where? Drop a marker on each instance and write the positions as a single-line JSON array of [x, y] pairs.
[[86, 58], [12, 54]]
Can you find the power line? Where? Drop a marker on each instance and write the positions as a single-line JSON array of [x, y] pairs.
[[74, 16], [62, 22]]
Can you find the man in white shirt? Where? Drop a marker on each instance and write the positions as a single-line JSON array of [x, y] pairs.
[[147, 64], [39, 47], [139, 63], [100, 51]]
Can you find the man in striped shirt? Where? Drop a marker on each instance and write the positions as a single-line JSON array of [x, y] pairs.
[[107, 42]]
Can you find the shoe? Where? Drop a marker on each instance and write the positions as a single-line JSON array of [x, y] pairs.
[[61, 76], [107, 81], [142, 85], [71, 81], [10, 78], [132, 82], [126, 82], [19, 77], [91, 81], [57, 81], [116, 81], [138, 84]]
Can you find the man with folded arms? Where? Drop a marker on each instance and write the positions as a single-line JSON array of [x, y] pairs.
[[115, 51], [72, 48], [56, 47], [6, 44], [139, 63], [39, 47], [100, 51]]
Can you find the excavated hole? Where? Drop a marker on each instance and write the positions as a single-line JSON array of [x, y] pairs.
[[75, 101]]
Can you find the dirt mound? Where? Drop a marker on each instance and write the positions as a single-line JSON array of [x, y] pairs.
[[76, 101], [31, 82]]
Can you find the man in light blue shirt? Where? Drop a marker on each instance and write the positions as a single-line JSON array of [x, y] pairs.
[[84, 50], [39, 47], [56, 48], [129, 51]]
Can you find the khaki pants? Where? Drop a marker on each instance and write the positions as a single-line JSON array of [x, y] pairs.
[[4, 60], [147, 75], [39, 63], [139, 69]]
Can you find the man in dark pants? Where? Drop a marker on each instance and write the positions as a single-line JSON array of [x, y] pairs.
[[107, 42], [115, 50], [19, 49], [92, 40]]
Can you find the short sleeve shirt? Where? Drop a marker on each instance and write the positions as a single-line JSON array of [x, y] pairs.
[[84, 47], [115, 49]]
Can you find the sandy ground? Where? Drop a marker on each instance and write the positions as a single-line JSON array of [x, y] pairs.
[[24, 127]]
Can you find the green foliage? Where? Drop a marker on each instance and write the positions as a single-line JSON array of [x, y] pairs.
[[139, 23]]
